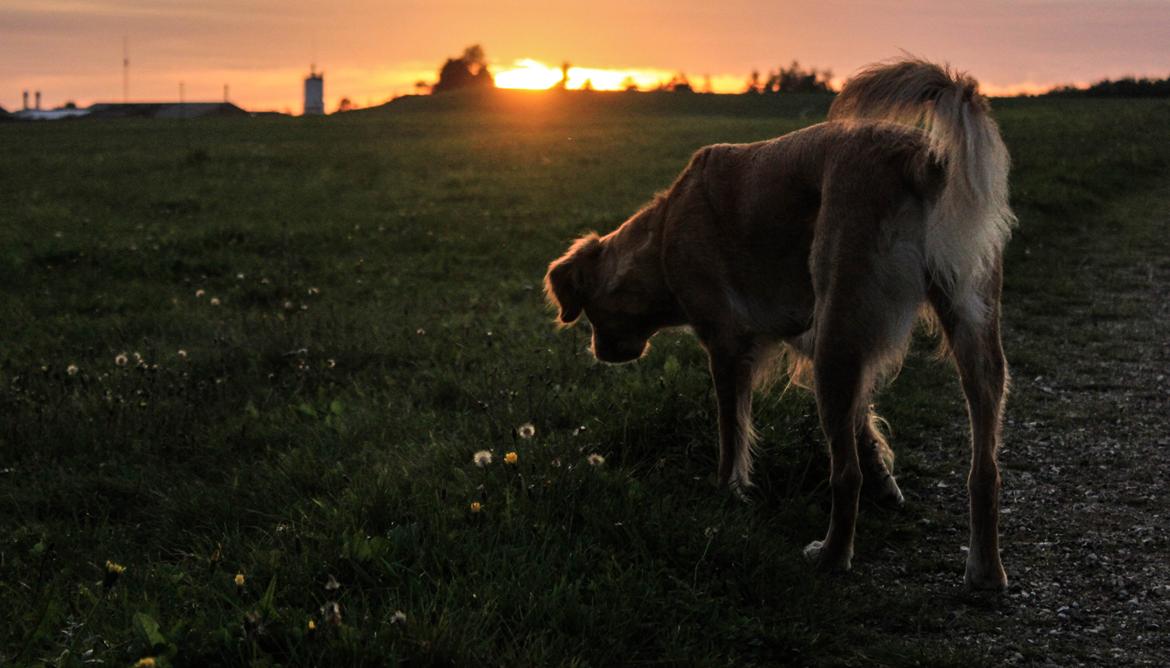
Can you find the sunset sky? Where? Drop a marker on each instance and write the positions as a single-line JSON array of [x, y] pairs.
[[372, 50]]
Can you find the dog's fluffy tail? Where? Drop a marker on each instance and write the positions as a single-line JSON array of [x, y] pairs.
[[971, 221]]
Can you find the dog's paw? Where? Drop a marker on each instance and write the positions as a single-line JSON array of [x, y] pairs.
[[985, 576], [816, 554]]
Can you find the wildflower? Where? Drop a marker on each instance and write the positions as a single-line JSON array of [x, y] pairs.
[[482, 458], [312, 625], [331, 363], [399, 617], [526, 430], [511, 458], [420, 331], [239, 579], [264, 281], [215, 301], [113, 571], [240, 277], [199, 293], [121, 359], [314, 291], [182, 354], [596, 459], [288, 305], [71, 369], [145, 662], [476, 506]]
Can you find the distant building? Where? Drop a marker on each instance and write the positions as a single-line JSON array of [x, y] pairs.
[[314, 93], [164, 110], [49, 114]]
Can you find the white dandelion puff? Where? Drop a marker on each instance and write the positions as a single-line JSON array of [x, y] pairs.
[[526, 430], [595, 459], [482, 458]]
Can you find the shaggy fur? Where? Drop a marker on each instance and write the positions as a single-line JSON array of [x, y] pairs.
[[824, 247]]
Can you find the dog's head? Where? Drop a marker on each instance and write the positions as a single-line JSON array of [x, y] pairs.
[[625, 299]]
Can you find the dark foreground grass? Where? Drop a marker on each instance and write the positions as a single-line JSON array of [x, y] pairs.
[[321, 321]]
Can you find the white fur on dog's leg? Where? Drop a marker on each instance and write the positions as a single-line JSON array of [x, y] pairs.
[[984, 577], [814, 554]]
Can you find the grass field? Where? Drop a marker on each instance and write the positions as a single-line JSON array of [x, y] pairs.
[[271, 348]]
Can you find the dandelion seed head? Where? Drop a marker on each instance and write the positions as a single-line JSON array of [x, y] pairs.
[[420, 331], [331, 363], [511, 458], [121, 359], [314, 291], [182, 354], [200, 292], [240, 276], [71, 369], [399, 617], [215, 301], [595, 459], [482, 458], [526, 430]]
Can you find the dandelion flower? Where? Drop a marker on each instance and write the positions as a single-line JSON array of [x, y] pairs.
[[113, 571], [596, 459], [476, 506], [199, 293], [511, 458], [215, 301], [526, 430], [482, 458], [145, 662], [121, 359], [312, 625], [71, 369], [399, 617], [239, 579]]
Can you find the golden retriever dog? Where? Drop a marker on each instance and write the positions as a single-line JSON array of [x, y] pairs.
[[826, 245]]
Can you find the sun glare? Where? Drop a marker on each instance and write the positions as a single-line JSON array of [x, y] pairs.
[[534, 75]]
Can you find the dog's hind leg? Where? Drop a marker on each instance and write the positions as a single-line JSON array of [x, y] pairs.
[[973, 336]]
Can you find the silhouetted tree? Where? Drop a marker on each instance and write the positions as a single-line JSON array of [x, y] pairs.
[[1127, 87], [754, 86], [468, 71], [564, 82], [630, 85], [345, 105], [679, 84], [795, 79]]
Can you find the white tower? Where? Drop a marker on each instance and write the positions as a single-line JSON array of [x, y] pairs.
[[314, 93]]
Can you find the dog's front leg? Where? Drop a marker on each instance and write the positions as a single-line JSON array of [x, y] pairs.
[[731, 371]]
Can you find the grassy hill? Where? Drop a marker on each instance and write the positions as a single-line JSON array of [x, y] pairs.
[[271, 347]]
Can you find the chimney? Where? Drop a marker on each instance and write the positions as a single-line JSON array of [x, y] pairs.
[[25, 104], [38, 106]]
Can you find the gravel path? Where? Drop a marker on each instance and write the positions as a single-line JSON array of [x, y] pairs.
[[1086, 460]]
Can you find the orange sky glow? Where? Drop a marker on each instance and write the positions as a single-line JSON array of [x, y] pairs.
[[373, 50]]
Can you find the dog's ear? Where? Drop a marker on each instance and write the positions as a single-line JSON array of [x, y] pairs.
[[570, 279]]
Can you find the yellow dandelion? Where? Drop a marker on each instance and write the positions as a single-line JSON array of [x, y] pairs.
[[596, 459], [145, 662], [511, 458], [482, 458], [239, 579], [113, 571], [71, 369], [312, 625], [476, 506], [526, 430], [121, 359]]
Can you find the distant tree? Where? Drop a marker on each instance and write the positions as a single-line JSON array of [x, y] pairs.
[[564, 82], [679, 84], [754, 87], [346, 105], [70, 105], [1126, 87], [588, 85], [795, 79], [629, 85], [468, 71]]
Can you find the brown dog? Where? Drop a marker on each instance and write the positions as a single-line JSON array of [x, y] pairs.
[[826, 245]]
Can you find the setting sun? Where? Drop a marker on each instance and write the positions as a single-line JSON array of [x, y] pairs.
[[534, 75]]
